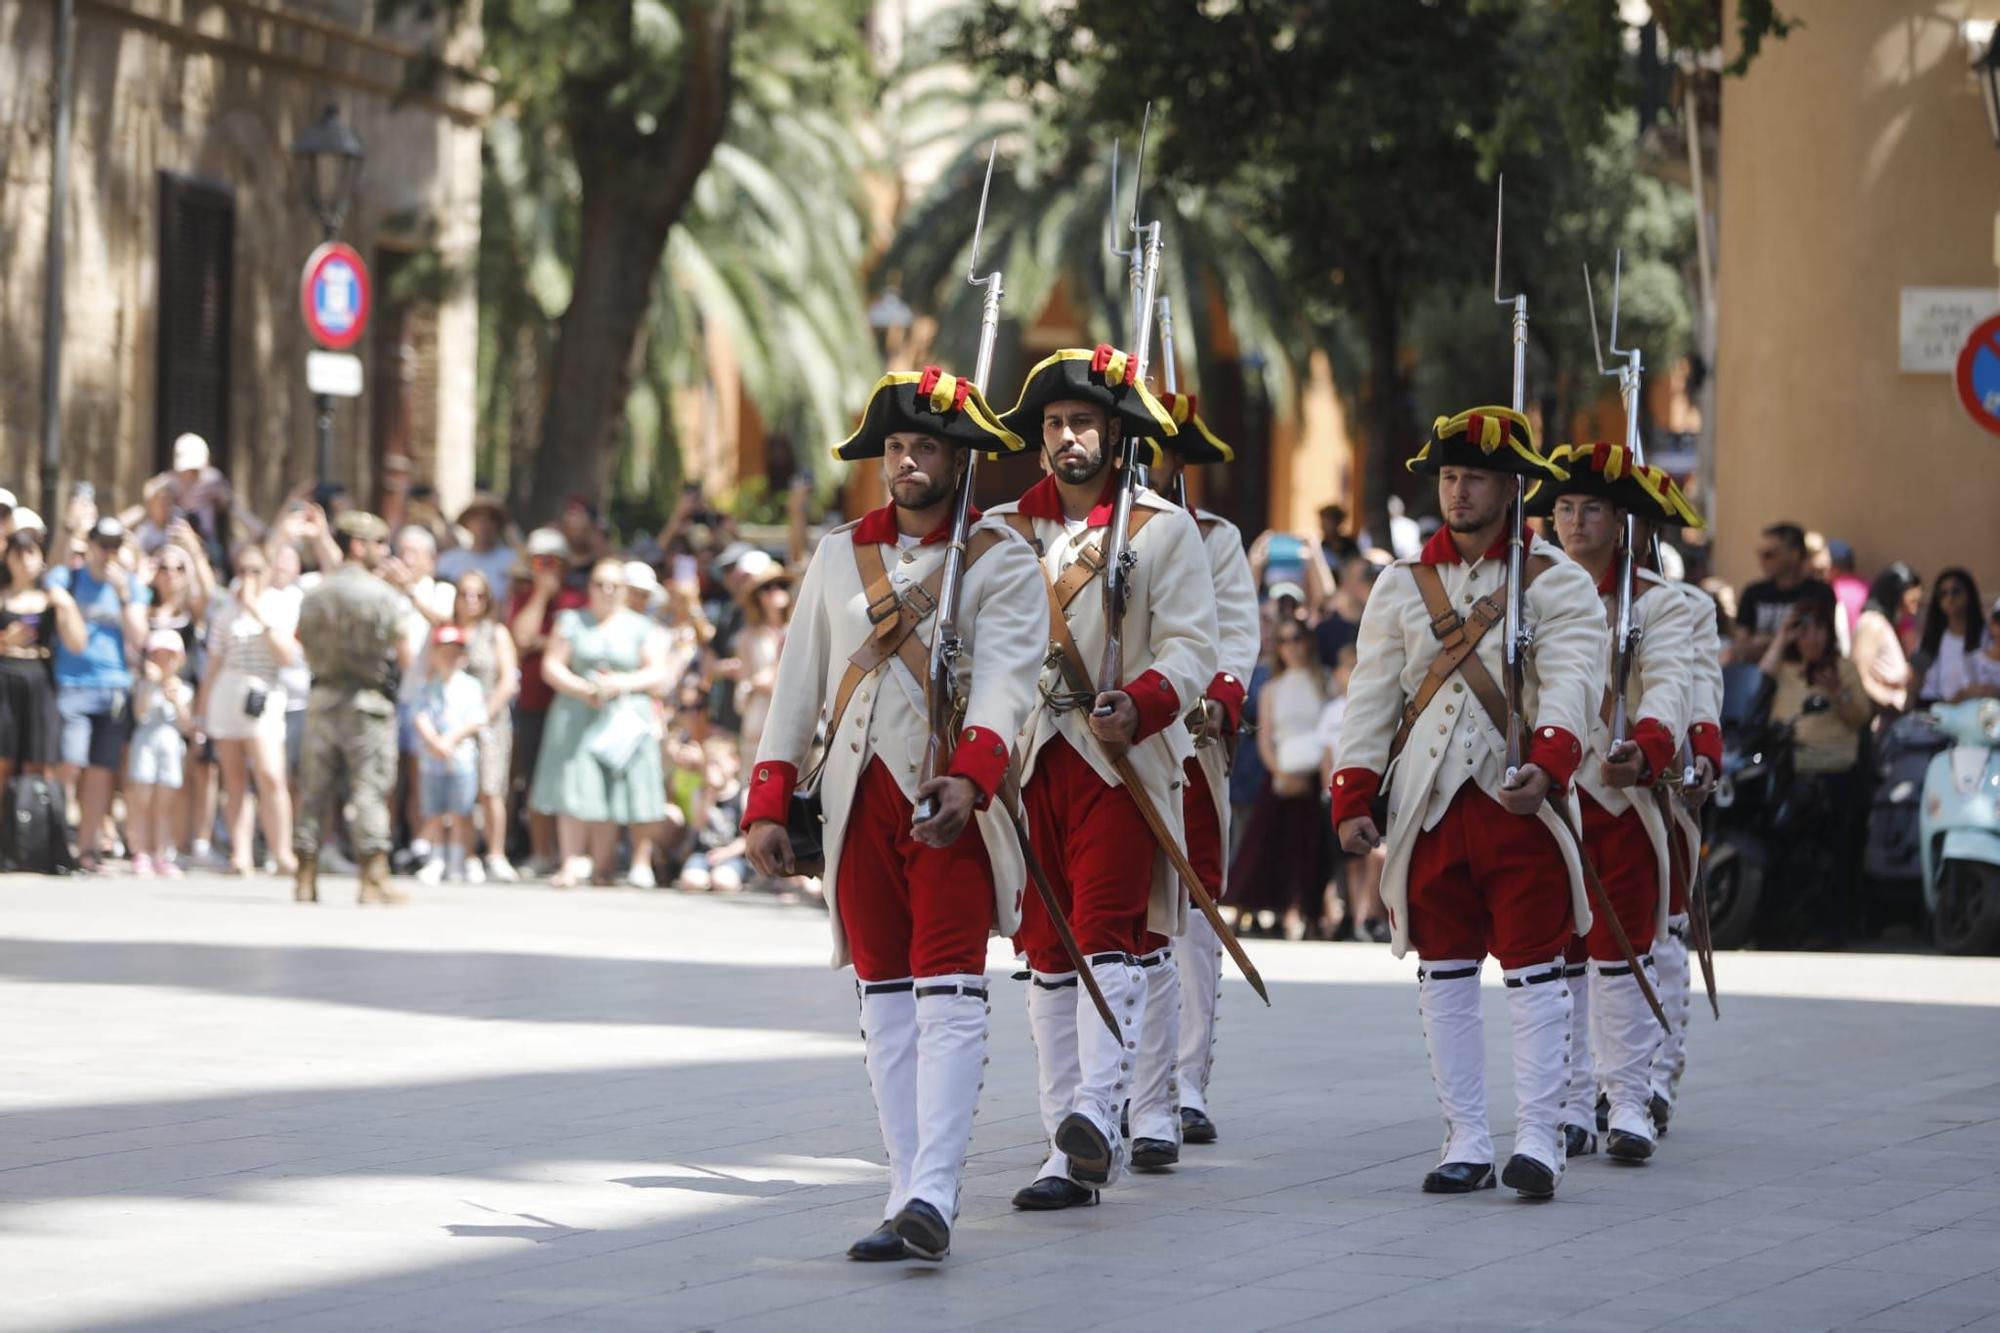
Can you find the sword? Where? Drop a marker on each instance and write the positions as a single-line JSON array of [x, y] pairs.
[[1601, 901]]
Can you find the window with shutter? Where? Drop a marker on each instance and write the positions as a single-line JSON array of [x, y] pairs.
[[196, 276]]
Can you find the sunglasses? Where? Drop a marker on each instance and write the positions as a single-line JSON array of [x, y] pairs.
[[609, 585]]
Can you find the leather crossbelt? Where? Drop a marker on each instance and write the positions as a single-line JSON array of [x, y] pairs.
[[1458, 647]]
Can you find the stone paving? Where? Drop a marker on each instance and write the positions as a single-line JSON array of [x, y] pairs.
[[518, 1108]]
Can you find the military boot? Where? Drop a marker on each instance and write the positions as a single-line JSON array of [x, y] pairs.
[[375, 882], [305, 884]]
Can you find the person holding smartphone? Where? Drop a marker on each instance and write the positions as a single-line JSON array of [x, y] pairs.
[[252, 635]]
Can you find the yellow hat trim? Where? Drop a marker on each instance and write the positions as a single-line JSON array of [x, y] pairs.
[[941, 397], [1114, 373], [1493, 434]]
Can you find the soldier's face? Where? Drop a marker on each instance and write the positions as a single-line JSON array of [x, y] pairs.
[[920, 470], [1473, 498], [1165, 470], [1587, 524], [1077, 440]]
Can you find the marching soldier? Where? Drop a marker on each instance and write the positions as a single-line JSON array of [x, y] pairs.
[[1625, 816], [351, 629], [1480, 860], [911, 900], [1086, 822], [1184, 977]]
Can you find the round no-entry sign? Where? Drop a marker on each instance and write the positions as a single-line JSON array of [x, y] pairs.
[[334, 296], [1979, 374]]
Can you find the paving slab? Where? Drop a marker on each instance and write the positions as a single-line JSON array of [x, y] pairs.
[[513, 1107]]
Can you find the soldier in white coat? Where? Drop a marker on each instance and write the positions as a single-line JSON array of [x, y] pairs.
[[1184, 975], [911, 903], [1626, 815], [1479, 860], [1104, 862]]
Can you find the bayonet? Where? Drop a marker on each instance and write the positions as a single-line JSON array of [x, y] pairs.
[[1515, 648]]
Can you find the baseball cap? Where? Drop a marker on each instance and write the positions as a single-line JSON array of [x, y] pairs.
[[165, 641], [27, 520], [7, 500], [1286, 588], [448, 636], [639, 574], [107, 531], [754, 564], [547, 541], [361, 524], [190, 452]]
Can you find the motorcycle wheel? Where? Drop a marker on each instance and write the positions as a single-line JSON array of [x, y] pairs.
[[1734, 887], [1967, 918]]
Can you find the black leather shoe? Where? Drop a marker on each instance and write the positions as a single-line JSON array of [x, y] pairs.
[[1528, 1178], [1578, 1141], [1196, 1127], [1051, 1194], [1155, 1154], [1661, 1110], [1088, 1150], [1603, 1112], [878, 1246], [1459, 1178], [1627, 1147], [923, 1230]]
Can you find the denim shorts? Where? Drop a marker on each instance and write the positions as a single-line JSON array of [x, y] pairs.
[[448, 791], [95, 725]]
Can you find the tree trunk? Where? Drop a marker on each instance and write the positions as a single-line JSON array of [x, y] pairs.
[[634, 188]]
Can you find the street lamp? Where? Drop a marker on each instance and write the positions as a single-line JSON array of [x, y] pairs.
[[330, 154]]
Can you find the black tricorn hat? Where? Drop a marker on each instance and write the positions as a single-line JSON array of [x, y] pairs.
[[1193, 442], [1497, 439], [930, 402], [1102, 375], [1607, 472]]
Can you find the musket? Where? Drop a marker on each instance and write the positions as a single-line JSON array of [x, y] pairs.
[[1170, 376], [1119, 559], [947, 643], [1518, 636]]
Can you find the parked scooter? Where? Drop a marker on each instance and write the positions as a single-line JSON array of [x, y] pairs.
[[1961, 829], [1756, 769]]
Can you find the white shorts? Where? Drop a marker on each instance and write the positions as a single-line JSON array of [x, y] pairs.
[[156, 756], [227, 720]]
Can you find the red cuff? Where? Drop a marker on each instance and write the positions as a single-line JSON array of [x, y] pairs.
[[1556, 753], [1228, 691], [1157, 702], [1656, 743], [1705, 739], [1354, 793], [981, 758], [770, 794]]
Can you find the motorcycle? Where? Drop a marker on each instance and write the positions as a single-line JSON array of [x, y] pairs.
[[1738, 837], [1961, 829]]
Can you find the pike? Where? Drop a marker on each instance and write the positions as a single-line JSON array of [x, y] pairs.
[[948, 643], [1520, 638], [1630, 376], [1118, 565]]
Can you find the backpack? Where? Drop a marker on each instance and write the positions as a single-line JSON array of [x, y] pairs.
[[35, 835]]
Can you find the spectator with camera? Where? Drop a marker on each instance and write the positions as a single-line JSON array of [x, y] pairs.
[[101, 623], [30, 729], [252, 637]]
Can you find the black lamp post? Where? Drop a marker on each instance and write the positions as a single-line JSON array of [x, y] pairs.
[[1987, 67], [330, 155]]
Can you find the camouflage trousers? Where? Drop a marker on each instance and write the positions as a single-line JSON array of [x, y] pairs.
[[348, 752]]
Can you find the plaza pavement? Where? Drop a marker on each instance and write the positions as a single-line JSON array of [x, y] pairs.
[[517, 1108]]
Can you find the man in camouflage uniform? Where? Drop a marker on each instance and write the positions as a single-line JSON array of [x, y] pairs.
[[351, 629]]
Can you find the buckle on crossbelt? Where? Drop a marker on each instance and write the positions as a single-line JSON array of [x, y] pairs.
[[919, 600], [884, 608]]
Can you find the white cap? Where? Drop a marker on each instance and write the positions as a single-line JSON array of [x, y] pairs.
[[639, 574], [753, 564], [547, 541], [190, 453], [7, 500], [27, 520]]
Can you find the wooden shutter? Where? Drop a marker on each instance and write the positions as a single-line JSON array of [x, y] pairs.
[[197, 278]]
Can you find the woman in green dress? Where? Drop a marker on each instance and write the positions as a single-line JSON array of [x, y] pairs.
[[599, 769]]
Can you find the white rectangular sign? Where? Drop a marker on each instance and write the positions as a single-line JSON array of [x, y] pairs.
[[335, 374], [1935, 323]]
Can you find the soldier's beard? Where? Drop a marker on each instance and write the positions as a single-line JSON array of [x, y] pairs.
[[1078, 471], [933, 493], [1477, 522]]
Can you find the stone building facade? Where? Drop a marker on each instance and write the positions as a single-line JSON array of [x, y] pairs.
[[186, 230]]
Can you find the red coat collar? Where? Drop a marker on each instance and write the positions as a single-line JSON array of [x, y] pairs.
[[878, 526], [1043, 500], [1442, 550]]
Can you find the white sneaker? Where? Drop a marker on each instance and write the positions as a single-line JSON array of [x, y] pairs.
[[501, 871], [432, 872], [475, 870], [641, 877]]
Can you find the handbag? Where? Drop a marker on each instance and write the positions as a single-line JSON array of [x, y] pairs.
[[617, 734]]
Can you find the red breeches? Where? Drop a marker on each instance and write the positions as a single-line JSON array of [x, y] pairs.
[[1623, 855], [910, 910], [1099, 855], [1488, 882]]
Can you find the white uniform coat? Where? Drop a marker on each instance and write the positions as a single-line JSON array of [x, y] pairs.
[[1239, 638], [1169, 629], [1003, 619], [1453, 741], [1704, 696], [1657, 688]]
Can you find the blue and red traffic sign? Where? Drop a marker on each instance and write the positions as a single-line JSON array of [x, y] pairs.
[[334, 296], [1979, 374]]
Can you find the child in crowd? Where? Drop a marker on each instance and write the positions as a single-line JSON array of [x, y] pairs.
[[449, 710], [163, 713]]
